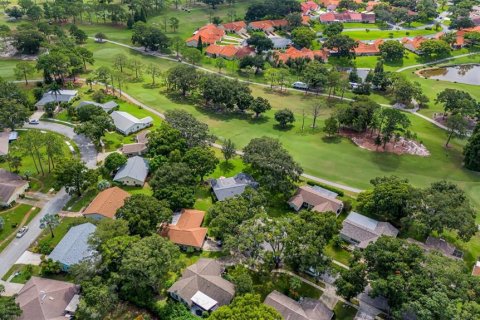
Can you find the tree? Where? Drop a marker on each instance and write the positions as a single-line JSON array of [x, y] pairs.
[[183, 78], [165, 140], [97, 300], [260, 105], [194, 132], [23, 70], [228, 150], [100, 37], [457, 101], [53, 148], [315, 74], [247, 306], [220, 64], [114, 161], [120, 61], [102, 74], [260, 42], [137, 66], [392, 50], [284, 117], [9, 309], [343, 44], [457, 127], [149, 37], [154, 71], [391, 121], [192, 55], [12, 113], [85, 55], [352, 282], [212, 3], [30, 144], [108, 229], [87, 112], [303, 37], [174, 23], [158, 257], [144, 213], [434, 49], [273, 167], [50, 221], [174, 183], [391, 199], [331, 126], [201, 160], [74, 176], [333, 29], [28, 41], [96, 127], [256, 62], [472, 151]]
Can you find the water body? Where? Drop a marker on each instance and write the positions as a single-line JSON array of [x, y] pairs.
[[466, 73]]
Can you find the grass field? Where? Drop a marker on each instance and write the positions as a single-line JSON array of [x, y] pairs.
[[12, 219], [386, 34], [344, 312]]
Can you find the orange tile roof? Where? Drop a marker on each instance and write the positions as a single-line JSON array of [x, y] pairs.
[[306, 20], [368, 48], [309, 6], [209, 34], [293, 53], [107, 202], [228, 51], [415, 42], [235, 26], [267, 24], [461, 35], [188, 231]]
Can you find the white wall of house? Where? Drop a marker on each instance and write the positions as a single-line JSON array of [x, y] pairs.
[[127, 181], [18, 192]]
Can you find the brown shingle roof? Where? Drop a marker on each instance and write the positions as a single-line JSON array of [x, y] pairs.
[[188, 231], [307, 309], [107, 202], [318, 201], [134, 148], [9, 182]]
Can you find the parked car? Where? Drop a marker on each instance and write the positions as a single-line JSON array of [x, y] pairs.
[[33, 121], [22, 231], [300, 85]]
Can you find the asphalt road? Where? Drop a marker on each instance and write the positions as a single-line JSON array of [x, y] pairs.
[[16, 248], [87, 149]]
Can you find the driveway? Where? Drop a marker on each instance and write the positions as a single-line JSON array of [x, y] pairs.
[[87, 149]]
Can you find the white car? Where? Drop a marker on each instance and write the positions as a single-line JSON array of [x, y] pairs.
[[22, 231], [300, 85], [33, 121]]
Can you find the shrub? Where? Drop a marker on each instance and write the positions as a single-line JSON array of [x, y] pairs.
[[99, 96]]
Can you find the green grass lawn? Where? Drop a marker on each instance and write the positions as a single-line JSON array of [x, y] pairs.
[[344, 312], [341, 255], [76, 204], [385, 34], [12, 219]]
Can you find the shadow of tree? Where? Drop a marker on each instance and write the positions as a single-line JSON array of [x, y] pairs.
[[332, 139]]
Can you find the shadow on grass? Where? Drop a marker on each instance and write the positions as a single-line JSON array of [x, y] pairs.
[[283, 128], [332, 140], [150, 85], [387, 162], [226, 167]]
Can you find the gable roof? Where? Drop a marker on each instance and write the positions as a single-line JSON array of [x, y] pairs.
[[135, 168], [123, 121], [74, 247], [268, 24], [320, 202], [132, 148], [228, 51], [107, 106], [187, 230], [209, 33], [293, 53], [107, 202], [45, 299], [9, 182], [308, 6], [368, 48], [365, 230], [204, 276], [234, 26], [62, 96], [307, 309], [230, 187]]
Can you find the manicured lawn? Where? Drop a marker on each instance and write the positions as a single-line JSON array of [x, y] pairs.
[[45, 239], [386, 34], [341, 255], [344, 311], [147, 190], [204, 198], [12, 219], [76, 204], [25, 272]]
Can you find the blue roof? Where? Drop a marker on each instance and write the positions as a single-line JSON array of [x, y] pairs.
[[135, 168], [225, 188], [74, 247]]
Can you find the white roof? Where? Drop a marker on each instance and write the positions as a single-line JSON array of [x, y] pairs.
[[203, 301], [124, 120], [362, 220]]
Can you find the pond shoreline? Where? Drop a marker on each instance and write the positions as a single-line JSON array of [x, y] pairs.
[[452, 71]]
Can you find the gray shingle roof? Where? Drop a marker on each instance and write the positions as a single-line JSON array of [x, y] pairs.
[[365, 230], [107, 106], [225, 188], [9, 182], [307, 309], [62, 96], [74, 247], [124, 120], [135, 168]]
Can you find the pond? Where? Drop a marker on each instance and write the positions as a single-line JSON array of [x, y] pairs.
[[466, 73]]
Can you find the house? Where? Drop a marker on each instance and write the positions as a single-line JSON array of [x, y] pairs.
[[328, 17], [142, 137], [476, 269], [309, 7], [107, 106], [368, 17], [134, 149], [133, 173], [245, 51], [186, 229], [305, 309], [228, 52], [347, 16], [58, 97], [12, 186], [315, 199], [439, 245], [360, 230], [330, 4], [280, 42], [460, 42], [413, 45], [128, 124], [238, 27], [47, 299], [368, 48], [268, 26], [106, 203], [225, 188], [202, 287], [74, 247], [209, 34], [371, 5], [293, 53]]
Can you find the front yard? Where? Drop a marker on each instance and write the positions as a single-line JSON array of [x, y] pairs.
[[12, 219]]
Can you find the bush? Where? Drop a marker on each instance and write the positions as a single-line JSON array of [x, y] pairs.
[[99, 96], [38, 93]]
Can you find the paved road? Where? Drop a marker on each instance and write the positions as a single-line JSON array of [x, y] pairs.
[[87, 149], [16, 248]]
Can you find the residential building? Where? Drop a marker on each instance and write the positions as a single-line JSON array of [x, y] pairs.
[[413, 44], [347, 16], [208, 34], [227, 52], [268, 26], [186, 229], [238, 27], [293, 53], [127, 124], [106, 203], [58, 97], [74, 247], [460, 42], [329, 4], [280, 42], [133, 173], [47, 299], [309, 7], [315, 199], [142, 137], [12, 186], [225, 188], [368, 48], [439, 245], [305, 309], [134, 149], [476, 269], [360, 230], [107, 106], [202, 287]]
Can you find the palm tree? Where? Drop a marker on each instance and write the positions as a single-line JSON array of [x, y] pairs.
[[55, 89], [50, 220]]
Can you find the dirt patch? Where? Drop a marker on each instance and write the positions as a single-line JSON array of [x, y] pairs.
[[402, 146], [442, 118], [7, 50]]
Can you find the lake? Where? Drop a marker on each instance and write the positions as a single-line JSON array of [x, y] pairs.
[[466, 73]]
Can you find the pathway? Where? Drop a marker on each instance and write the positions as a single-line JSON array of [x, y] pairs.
[[437, 61]]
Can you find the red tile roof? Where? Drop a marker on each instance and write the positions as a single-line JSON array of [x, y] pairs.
[[413, 44], [235, 26], [209, 34], [107, 202], [306, 20], [461, 35], [309, 6], [245, 51], [293, 53], [228, 51], [368, 48], [268, 24], [327, 17], [188, 231]]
